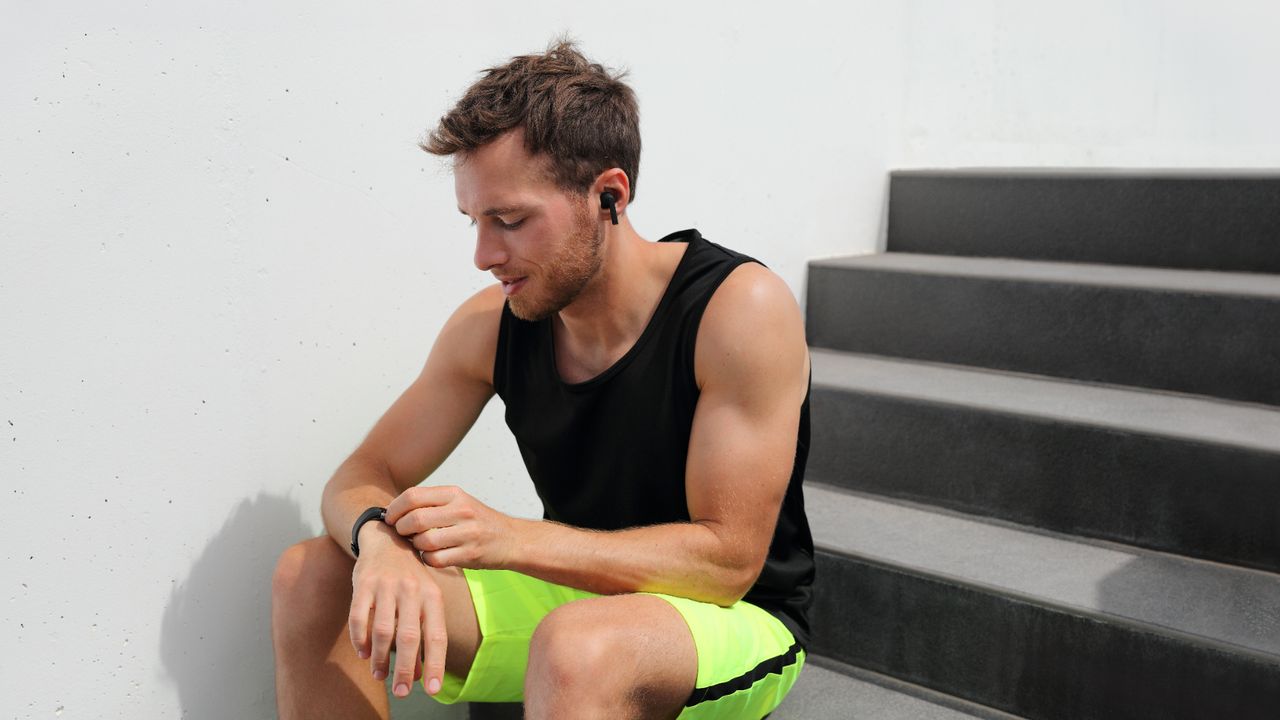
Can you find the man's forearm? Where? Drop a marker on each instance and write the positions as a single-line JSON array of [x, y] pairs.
[[684, 559], [359, 483]]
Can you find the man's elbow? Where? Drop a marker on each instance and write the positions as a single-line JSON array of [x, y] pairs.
[[739, 582], [735, 565]]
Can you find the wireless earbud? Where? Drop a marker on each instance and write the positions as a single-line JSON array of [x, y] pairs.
[[607, 200]]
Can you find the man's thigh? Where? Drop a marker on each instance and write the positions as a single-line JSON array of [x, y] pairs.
[[745, 659], [320, 569], [460, 619]]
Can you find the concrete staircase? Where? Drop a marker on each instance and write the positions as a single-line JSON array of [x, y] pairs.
[[1045, 470], [1044, 479]]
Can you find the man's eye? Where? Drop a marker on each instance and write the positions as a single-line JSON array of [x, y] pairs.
[[504, 226]]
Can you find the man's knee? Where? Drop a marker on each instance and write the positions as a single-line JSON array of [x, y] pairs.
[[612, 656], [574, 645], [308, 573]]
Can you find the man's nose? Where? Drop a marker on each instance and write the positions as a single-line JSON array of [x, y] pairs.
[[490, 250]]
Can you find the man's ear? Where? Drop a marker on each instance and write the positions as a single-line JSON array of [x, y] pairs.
[[607, 202], [616, 183]]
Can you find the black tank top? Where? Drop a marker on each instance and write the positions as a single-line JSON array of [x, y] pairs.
[[609, 453]]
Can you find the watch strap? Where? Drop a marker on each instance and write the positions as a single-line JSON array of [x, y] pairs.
[[373, 513]]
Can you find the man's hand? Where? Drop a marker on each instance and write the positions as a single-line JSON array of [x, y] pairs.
[[453, 529], [394, 598]]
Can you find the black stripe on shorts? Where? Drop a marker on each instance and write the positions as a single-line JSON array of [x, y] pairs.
[[742, 682]]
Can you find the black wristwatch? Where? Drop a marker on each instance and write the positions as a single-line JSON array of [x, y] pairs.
[[373, 513]]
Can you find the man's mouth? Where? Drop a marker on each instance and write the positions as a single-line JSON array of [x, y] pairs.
[[511, 287]]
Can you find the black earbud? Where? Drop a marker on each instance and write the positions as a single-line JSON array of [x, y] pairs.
[[607, 200]]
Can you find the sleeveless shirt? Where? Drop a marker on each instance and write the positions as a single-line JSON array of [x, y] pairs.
[[609, 453]]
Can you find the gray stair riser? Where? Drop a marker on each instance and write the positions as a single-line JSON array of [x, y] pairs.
[[1026, 658], [1195, 223], [1209, 344], [1190, 498]]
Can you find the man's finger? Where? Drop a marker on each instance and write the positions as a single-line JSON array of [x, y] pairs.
[[449, 557], [420, 519], [358, 621], [408, 635], [416, 497], [435, 637], [437, 538], [383, 632]]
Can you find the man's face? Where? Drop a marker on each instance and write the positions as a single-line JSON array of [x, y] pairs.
[[540, 241]]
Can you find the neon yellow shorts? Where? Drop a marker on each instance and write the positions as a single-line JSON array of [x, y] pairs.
[[747, 659]]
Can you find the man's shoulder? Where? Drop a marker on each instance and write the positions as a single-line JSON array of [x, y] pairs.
[[751, 319], [487, 302], [469, 339], [751, 290]]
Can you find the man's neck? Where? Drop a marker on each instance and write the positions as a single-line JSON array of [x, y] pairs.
[[610, 314]]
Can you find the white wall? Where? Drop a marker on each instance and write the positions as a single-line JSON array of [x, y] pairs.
[[223, 257]]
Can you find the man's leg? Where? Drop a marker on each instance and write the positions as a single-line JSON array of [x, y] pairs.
[[318, 674], [616, 656]]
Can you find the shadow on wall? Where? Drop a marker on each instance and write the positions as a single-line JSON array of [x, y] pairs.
[[216, 637]]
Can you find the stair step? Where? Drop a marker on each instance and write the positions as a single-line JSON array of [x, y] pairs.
[[1179, 473], [1189, 331], [1039, 625], [1181, 219], [829, 689]]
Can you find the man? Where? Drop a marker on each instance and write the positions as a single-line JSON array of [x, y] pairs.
[[659, 396]]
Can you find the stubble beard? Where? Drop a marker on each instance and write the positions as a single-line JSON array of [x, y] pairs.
[[568, 273]]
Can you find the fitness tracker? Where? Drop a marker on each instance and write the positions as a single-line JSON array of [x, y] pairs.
[[373, 513]]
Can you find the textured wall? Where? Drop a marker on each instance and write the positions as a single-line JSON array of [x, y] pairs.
[[223, 257]]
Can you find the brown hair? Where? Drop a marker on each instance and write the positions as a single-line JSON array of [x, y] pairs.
[[581, 116]]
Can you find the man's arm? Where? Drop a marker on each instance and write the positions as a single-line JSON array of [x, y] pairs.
[[424, 425], [393, 597], [752, 363]]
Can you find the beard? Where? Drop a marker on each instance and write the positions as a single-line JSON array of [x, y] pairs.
[[567, 273]]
